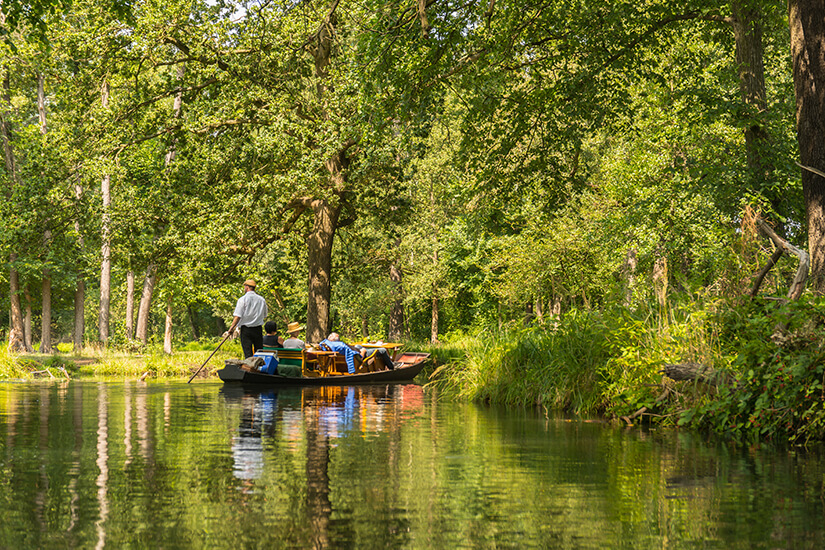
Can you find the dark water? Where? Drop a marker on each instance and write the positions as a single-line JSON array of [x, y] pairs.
[[172, 465]]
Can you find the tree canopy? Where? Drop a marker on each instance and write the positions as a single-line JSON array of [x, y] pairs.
[[396, 166]]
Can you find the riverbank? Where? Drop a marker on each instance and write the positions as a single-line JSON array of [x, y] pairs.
[[766, 359], [149, 362]]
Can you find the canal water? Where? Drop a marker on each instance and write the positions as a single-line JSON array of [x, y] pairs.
[[202, 465]]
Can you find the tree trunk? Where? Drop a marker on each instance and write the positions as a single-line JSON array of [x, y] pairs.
[[555, 311], [196, 335], [807, 25], [16, 330], [130, 304], [325, 214], [46, 315], [167, 332], [528, 313], [629, 270], [434, 321], [396, 324], [79, 318], [170, 157], [79, 331], [747, 33], [146, 303], [46, 309], [176, 110], [319, 245], [106, 246], [27, 320]]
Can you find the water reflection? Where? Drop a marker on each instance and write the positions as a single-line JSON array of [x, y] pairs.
[[102, 465], [127, 464]]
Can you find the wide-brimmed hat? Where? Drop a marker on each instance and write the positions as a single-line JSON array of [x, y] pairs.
[[250, 282], [294, 327]]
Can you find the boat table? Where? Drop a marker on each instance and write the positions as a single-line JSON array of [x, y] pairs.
[[392, 347]]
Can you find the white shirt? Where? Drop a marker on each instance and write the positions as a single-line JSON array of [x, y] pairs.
[[251, 309], [293, 343]]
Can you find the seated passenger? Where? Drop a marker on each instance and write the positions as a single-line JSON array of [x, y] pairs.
[[334, 343], [271, 339], [293, 329]]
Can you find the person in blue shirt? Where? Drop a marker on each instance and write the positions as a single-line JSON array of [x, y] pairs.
[[350, 353]]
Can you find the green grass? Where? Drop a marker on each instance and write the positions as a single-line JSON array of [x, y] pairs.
[[96, 362]]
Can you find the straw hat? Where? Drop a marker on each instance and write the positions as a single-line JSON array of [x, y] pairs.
[[250, 282], [294, 327]]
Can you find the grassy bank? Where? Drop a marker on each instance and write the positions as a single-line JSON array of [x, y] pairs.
[[149, 361], [767, 359]]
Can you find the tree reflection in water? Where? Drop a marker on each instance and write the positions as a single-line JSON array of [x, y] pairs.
[[127, 464]]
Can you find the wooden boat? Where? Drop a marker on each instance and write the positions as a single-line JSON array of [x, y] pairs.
[[324, 369]]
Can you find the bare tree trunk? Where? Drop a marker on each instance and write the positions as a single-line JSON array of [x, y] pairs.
[[176, 111], [106, 246], [146, 303], [422, 16], [167, 333], [807, 26], [130, 304], [396, 324]]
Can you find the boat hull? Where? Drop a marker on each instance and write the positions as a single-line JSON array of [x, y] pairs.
[[414, 362]]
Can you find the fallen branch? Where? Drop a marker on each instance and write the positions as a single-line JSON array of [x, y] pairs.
[[688, 371], [764, 271], [629, 419], [799, 280]]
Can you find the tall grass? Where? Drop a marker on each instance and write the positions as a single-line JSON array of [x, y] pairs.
[[589, 363]]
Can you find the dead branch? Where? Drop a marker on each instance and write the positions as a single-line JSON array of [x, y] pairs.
[[799, 280], [688, 371], [629, 419], [764, 271], [812, 170]]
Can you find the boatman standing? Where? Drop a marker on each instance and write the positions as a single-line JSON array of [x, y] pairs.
[[249, 313]]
